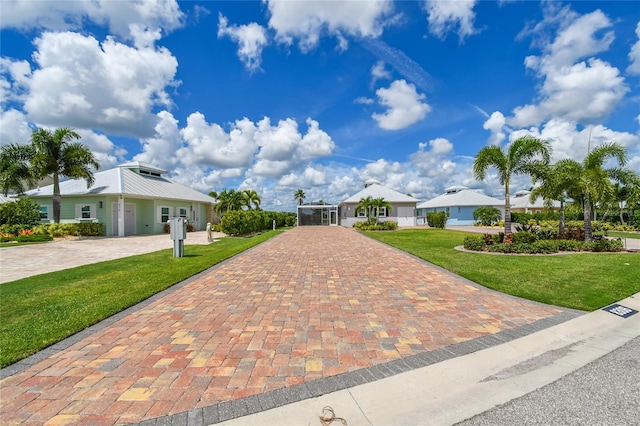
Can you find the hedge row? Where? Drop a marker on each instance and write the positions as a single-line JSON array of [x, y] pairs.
[[68, 229], [245, 222], [388, 225], [478, 243]]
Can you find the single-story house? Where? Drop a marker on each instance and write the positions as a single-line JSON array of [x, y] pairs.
[[459, 202], [403, 207], [132, 198], [521, 203], [317, 213]]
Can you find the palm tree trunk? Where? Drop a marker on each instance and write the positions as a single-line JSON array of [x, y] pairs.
[[561, 227], [56, 198], [507, 210], [588, 232]]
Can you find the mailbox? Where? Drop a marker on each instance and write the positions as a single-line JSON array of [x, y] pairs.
[[178, 232]]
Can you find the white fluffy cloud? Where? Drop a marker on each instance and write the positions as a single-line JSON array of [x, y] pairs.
[[167, 139], [307, 21], [82, 83], [432, 159], [283, 147], [130, 20], [586, 91], [634, 55], [210, 145], [495, 124], [311, 176], [247, 148], [251, 39], [378, 72], [404, 105], [444, 16], [13, 127]]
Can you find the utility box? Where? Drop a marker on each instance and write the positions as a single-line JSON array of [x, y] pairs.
[[178, 232]]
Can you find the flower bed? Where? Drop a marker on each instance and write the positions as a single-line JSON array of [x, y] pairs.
[[529, 243]]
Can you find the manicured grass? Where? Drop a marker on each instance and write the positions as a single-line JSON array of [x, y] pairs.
[[585, 281], [36, 312]]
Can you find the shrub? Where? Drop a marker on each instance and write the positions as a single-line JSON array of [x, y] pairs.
[[33, 238], [569, 245], [24, 211], [70, 229], [437, 220], [486, 215], [245, 222], [90, 229], [604, 245], [475, 243], [546, 246], [524, 237], [388, 225]]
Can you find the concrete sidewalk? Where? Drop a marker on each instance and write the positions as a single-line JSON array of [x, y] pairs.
[[457, 389]]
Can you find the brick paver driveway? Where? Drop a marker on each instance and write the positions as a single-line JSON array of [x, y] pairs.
[[311, 303]]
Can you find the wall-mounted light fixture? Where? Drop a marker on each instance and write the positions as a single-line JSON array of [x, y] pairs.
[[100, 204]]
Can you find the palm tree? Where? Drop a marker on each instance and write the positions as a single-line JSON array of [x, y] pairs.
[[51, 154], [229, 200], [365, 204], [557, 182], [594, 182], [378, 204], [519, 159], [251, 197], [300, 196], [15, 168]]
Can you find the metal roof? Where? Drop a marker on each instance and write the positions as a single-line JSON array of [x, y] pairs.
[[375, 190], [123, 181], [522, 200], [461, 198]]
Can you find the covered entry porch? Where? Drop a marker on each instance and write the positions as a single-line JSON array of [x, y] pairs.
[[317, 213]]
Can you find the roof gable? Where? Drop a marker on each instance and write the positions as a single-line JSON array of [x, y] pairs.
[[375, 190], [461, 198]]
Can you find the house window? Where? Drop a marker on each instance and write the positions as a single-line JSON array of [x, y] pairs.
[[383, 212], [45, 211], [85, 211], [182, 211], [164, 213]]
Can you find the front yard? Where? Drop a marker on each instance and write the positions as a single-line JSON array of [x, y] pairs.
[[585, 281]]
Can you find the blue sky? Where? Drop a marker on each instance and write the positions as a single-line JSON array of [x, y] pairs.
[[321, 95]]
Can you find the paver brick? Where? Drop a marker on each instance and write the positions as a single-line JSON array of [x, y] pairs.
[[302, 306]]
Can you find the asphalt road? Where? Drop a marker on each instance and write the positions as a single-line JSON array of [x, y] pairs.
[[604, 392]]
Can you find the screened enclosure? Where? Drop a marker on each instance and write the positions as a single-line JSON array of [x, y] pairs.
[[317, 214]]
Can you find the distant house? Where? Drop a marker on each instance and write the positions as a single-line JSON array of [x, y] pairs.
[[521, 203], [403, 207], [459, 202], [132, 198]]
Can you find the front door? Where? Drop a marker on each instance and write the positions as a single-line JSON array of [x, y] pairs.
[[129, 218], [333, 218]]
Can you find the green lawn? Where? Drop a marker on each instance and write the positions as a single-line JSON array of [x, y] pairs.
[[38, 311], [585, 281]]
